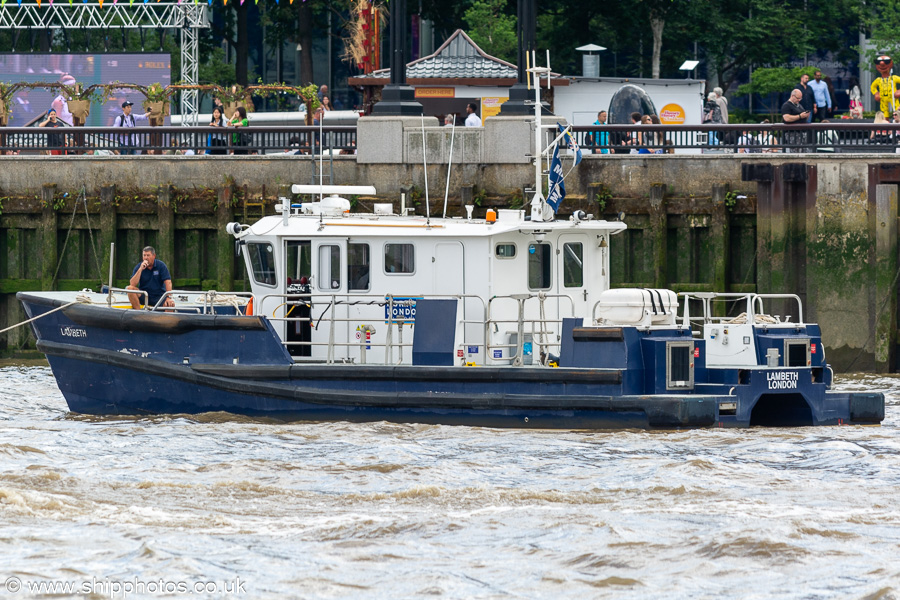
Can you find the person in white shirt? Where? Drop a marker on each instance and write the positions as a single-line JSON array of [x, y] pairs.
[[472, 120], [127, 142]]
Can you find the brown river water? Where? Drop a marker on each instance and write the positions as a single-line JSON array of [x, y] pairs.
[[219, 506]]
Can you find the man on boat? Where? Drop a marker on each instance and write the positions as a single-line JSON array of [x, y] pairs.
[[151, 276]]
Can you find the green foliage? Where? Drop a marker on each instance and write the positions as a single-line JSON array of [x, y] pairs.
[[215, 70], [602, 195], [772, 80], [517, 200], [492, 28], [156, 92], [731, 198], [883, 18]]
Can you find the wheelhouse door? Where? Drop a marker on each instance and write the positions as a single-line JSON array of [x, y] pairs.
[[573, 278], [330, 310], [449, 277], [298, 271]]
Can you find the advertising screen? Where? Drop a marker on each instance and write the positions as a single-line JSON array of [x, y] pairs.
[[86, 69]]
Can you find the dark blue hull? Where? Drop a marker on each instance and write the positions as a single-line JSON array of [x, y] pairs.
[[116, 362]]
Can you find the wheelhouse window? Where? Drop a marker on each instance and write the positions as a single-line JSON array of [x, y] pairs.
[[358, 265], [573, 264], [297, 261], [399, 258], [505, 251], [329, 267], [262, 262], [539, 259]]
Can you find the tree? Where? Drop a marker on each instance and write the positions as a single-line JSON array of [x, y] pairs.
[[883, 20], [766, 81], [736, 34], [489, 26]]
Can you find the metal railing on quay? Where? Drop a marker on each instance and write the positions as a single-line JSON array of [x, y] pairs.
[[108, 141], [838, 136]]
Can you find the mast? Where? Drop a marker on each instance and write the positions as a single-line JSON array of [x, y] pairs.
[[537, 201]]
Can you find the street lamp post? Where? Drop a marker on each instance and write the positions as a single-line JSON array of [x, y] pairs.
[[398, 98], [520, 98]]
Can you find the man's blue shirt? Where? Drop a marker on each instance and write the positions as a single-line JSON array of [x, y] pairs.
[[153, 280], [820, 93]]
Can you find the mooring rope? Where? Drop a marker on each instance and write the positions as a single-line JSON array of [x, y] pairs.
[[39, 316], [62, 253]]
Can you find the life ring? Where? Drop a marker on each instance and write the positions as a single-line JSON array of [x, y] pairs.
[[248, 311]]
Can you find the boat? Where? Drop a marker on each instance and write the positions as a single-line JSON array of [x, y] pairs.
[[504, 321]]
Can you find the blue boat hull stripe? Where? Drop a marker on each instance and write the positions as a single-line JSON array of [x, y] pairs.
[[661, 411]]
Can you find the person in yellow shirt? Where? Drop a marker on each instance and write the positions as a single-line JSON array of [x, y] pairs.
[[886, 88]]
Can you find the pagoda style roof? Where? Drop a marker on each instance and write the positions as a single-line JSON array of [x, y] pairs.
[[459, 61]]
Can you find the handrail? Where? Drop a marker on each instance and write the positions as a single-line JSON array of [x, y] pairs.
[[836, 136], [539, 327], [110, 290], [521, 299], [74, 141], [382, 300], [753, 300]]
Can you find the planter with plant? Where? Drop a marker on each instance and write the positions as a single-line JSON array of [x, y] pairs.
[[79, 99], [309, 95], [157, 102], [232, 97], [6, 92]]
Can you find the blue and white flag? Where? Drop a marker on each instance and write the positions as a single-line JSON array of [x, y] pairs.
[[557, 189], [570, 143]]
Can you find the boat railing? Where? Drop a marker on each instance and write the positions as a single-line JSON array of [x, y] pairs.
[[208, 300], [396, 312], [541, 336], [112, 290], [754, 311]]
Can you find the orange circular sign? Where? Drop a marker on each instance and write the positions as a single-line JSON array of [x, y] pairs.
[[671, 114]]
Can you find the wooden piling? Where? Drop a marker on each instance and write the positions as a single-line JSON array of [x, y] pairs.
[[885, 277], [49, 258], [165, 218], [225, 242], [659, 223]]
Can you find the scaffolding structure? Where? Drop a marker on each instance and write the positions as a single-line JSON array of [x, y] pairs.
[[188, 18]]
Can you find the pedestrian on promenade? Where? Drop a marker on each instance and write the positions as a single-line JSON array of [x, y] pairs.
[[792, 112], [821, 97], [722, 101], [217, 142], [601, 138], [712, 115], [807, 101], [127, 143], [54, 140], [239, 120], [472, 120]]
